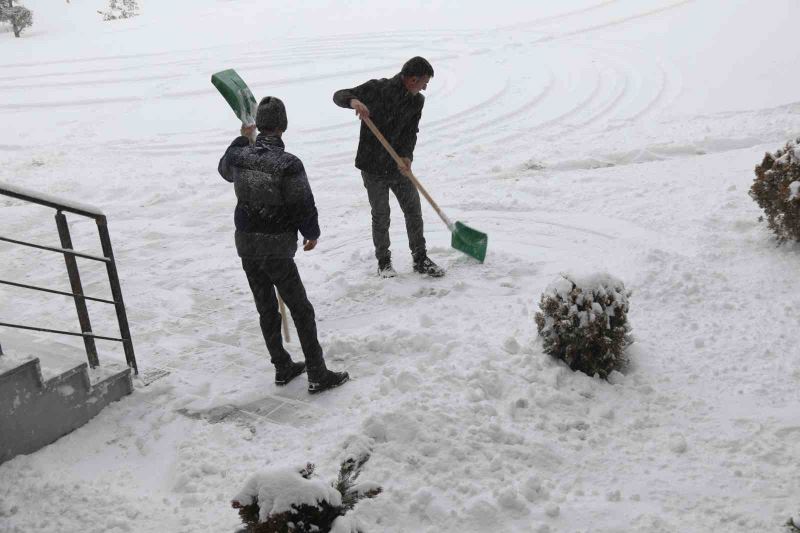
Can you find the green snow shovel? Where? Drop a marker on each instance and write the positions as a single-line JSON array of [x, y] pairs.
[[465, 239], [238, 95], [241, 99]]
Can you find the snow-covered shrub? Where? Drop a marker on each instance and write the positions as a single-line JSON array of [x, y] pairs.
[[19, 17], [120, 9], [793, 525], [776, 189], [584, 322], [291, 500]]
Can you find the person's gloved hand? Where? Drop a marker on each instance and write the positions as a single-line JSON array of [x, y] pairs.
[[248, 131]]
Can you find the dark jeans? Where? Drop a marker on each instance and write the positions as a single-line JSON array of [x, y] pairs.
[[264, 275], [408, 197]]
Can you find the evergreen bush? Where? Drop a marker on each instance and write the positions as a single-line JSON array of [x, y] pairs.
[[584, 322], [19, 17], [120, 9], [776, 189], [293, 501]]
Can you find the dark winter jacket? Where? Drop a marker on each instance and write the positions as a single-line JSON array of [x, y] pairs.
[[396, 113], [274, 199]]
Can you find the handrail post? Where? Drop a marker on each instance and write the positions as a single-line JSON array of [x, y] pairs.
[[77, 289], [116, 293]]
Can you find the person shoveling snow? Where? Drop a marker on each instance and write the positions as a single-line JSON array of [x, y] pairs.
[[395, 104]]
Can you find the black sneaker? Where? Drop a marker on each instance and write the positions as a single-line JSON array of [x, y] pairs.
[[329, 380], [286, 374], [385, 268], [424, 265]]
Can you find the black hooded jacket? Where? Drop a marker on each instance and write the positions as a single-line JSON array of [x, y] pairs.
[[395, 112], [274, 199]]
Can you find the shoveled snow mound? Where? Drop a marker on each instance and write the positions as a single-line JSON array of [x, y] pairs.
[[276, 490]]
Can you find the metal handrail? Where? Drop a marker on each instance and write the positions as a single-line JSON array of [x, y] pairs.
[[53, 291], [62, 332], [70, 254], [54, 249]]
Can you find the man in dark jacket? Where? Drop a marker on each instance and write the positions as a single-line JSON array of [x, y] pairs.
[[395, 106], [274, 201]]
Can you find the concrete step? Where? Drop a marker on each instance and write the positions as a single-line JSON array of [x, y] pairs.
[[35, 412]]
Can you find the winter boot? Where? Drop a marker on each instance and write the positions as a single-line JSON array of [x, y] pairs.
[[285, 374], [423, 265], [385, 268], [328, 380]]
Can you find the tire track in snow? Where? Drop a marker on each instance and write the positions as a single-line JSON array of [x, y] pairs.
[[442, 126], [78, 73], [90, 83], [615, 101], [190, 51], [606, 110], [74, 103], [164, 77], [311, 50], [577, 108], [612, 107], [450, 131], [612, 104], [666, 82], [480, 107], [551, 18], [286, 56], [614, 22], [298, 79]]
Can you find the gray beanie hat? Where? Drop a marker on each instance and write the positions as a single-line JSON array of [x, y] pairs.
[[271, 114]]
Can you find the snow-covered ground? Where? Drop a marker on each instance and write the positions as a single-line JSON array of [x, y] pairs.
[[615, 135]]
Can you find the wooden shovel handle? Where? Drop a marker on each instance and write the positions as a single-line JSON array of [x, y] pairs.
[[284, 318], [408, 172]]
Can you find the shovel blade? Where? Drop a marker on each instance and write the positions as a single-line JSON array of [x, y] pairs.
[[237, 94], [470, 241]]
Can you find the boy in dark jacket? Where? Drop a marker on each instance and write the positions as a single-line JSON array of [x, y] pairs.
[[395, 106], [274, 202]]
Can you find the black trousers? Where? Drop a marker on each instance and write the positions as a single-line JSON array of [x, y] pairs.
[[264, 276], [378, 188]]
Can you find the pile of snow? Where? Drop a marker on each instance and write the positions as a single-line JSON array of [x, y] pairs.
[[278, 490]]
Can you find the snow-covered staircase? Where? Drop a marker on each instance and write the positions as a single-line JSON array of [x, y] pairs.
[[35, 411]]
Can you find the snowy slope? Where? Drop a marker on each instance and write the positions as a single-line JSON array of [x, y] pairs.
[[614, 135]]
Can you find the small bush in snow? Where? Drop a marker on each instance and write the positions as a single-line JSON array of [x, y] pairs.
[[584, 322], [286, 500], [776, 189], [19, 17], [120, 9], [793, 526]]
